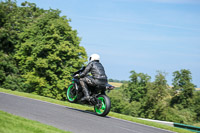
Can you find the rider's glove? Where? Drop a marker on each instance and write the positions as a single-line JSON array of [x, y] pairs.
[[77, 75]]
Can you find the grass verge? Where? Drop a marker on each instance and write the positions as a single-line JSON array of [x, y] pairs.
[[82, 107], [15, 124]]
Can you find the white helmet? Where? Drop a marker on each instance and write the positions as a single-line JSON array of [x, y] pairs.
[[94, 57]]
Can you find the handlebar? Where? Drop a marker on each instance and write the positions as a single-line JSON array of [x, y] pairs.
[[79, 71]]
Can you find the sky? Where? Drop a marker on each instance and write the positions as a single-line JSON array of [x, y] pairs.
[[141, 35]]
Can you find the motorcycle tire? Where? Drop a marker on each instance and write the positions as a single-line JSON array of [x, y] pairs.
[[105, 105], [71, 94]]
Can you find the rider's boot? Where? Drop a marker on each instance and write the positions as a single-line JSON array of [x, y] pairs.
[[85, 92]]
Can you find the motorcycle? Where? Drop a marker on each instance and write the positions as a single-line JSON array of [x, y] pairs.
[[99, 99]]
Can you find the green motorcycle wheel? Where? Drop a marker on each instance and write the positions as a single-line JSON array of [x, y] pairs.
[[104, 109], [71, 94]]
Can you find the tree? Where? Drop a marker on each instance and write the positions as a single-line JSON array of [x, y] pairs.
[[154, 102], [118, 101], [47, 54], [7, 67], [10, 77], [39, 49], [110, 80], [183, 88], [13, 21], [137, 86], [197, 105]]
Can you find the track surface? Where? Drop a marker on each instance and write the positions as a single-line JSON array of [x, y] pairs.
[[69, 119]]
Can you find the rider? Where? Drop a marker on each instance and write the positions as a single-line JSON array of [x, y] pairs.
[[98, 77]]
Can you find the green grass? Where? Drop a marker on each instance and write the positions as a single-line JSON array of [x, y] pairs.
[[90, 108], [14, 124]]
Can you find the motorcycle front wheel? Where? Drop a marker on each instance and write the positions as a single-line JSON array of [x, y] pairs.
[[71, 94], [105, 106]]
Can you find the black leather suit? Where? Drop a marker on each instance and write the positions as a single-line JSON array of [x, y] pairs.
[[98, 77]]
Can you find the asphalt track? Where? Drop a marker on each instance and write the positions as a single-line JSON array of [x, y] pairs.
[[69, 119]]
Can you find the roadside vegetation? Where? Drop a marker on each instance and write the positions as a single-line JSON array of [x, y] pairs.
[[140, 97], [15, 124], [39, 51]]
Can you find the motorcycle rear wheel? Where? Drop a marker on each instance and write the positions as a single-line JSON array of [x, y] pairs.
[[104, 109]]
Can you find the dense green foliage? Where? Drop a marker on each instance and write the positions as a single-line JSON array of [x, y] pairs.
[[39, 50], [137, 87], [10, 77], [157, 100], [182, 83], [13, 21]]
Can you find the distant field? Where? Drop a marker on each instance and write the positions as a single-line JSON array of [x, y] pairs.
[[115, 84]]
